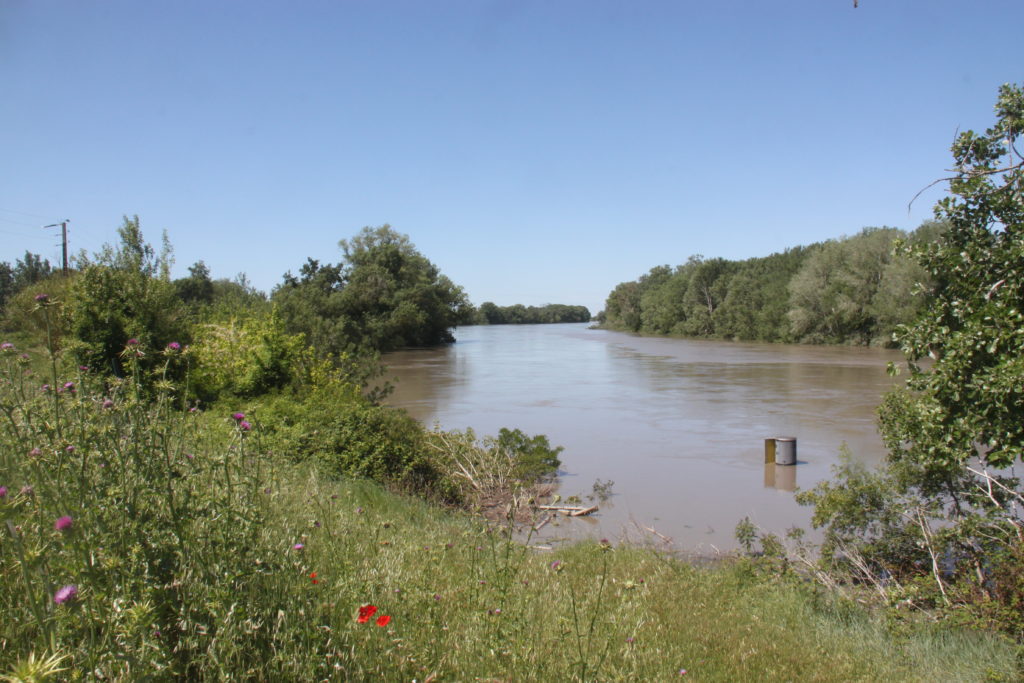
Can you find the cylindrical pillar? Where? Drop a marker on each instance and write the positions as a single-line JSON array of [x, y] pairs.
[[785, 450]]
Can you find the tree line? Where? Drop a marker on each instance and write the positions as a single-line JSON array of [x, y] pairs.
[[852, 290], [490, 313]]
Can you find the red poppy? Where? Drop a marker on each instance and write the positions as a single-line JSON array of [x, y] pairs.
[[312, 575], [384, 620], [365, 612]]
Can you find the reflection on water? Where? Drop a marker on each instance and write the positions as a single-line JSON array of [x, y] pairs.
[[678, 425]]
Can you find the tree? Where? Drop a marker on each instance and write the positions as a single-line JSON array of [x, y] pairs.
[[943, 508], [385, 295], [970, 400], [124, 293]]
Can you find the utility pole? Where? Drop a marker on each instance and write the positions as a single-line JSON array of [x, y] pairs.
[[63, 240]]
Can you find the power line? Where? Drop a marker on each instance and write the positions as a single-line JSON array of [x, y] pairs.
[[25, 213]]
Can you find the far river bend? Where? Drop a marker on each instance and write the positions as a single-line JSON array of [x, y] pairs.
[[678, 425]]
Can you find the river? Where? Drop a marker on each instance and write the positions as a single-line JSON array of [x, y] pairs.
[[678, 425]]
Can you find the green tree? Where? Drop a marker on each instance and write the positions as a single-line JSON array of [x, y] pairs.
[[385, 295], [124, 293], [944, 515]]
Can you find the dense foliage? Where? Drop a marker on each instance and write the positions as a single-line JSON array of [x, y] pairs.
[[942, 524], [490, 313], [851, 290], [25, 271], [384, 295]]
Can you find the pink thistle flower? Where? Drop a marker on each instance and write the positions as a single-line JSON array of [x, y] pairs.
[[63, 523], [174, 346], [107, 403], [35, 453], [132, 342], [65, 594], [244, 426], [69, 386], [298, 546], [3, 491], [238, 417], [70, 449], [42, 298], [7, 346]]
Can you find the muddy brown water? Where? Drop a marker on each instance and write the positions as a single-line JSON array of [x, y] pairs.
[[678, 425]]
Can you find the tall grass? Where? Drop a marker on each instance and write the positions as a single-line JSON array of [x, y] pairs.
[[143, 541]]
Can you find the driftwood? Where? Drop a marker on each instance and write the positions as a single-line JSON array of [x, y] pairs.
[[570, 510]]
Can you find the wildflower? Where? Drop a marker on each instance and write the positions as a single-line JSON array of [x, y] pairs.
[[682, 672], [267, 490], [556, 566], [359, 510], [69, 386], [312, 577], [630, 640], [365, 613], [132, 342], [298, 546], [108, 404], [83, 368], [46, 387], [63, 523], [244, 426], [436, 596], [383, 620], [7, 346], [42, 298], [174, 346], [35, 453], [3, 491], [27, 490], [65, 594], [238, 417], [70, 449]]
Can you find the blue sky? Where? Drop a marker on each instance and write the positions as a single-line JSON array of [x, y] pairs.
[[535, 151]]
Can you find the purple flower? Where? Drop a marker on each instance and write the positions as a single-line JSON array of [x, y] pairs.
[[556, 565], [27, 490], [3, 491], [238, 417], [65, 594], [244, 426], [42, 298], [174, 346], [46, 387], [63, 523], [70, 449], [107, 403], [83, 368], [132, 342], [7, 346], [34, 453], [69, 386], [298, 546]]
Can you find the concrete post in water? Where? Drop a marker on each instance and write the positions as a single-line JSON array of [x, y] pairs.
[[769, 450], [785, 450]]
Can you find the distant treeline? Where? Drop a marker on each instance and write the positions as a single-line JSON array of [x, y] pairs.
[[853, 290], [518, 314]]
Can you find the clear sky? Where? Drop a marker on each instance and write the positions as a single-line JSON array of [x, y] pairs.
[[536, 151]]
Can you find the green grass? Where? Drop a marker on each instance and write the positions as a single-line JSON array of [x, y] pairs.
[[183, 551]]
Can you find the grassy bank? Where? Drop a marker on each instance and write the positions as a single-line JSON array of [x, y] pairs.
[[145, 540]]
